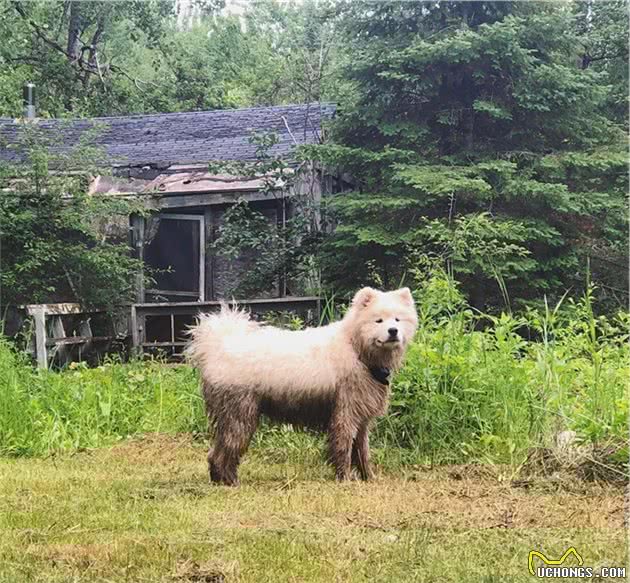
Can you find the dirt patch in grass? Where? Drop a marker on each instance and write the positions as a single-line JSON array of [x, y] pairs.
[[156, 448], [191, 571], [76, 556], [144, 511], [466, 496]]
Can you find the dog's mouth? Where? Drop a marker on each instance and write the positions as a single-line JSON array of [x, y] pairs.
[[388, 342]]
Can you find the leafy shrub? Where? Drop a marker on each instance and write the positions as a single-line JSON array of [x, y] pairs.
[[44, 412], [59, 243], [474, 388], [483, 387]]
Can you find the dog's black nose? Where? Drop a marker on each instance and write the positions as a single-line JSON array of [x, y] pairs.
[[393, 332]]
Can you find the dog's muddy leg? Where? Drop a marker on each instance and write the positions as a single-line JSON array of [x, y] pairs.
[[361, 452], [223, 462], [340, 436], [234, 430]]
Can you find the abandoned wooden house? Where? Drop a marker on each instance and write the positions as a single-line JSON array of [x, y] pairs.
[[162, 159]]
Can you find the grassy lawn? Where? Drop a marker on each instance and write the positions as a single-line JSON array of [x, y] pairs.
[[143, 511]]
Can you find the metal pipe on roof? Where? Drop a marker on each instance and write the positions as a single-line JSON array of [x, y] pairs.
[[29, 100]]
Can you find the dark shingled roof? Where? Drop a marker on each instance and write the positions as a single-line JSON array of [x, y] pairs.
[[180, 138]]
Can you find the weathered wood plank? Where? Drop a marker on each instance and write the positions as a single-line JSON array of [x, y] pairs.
[[280, 225], [202, 259], [145, 311], [166, 292], [137, 234], [209, 258], [135, 333], [58, 331], [70, 340], [163, 344], [58, 309], [257, 301], [212, 198], [40, 337]]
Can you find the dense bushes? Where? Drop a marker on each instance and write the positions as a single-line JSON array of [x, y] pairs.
[[59, 243], [475, 387], [484, 387], [46, 412]]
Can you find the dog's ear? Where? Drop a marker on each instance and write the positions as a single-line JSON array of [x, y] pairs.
[[405, 294], [363, 297]]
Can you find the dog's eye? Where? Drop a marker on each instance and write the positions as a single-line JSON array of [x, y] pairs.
[[379, 321], [397, 319]]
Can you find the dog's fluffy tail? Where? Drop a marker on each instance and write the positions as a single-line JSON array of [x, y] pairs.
[[206, 335]]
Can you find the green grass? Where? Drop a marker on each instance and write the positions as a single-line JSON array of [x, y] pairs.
[[474, 387], [44, 412], [143, 511], [491, 388], [103, 471]]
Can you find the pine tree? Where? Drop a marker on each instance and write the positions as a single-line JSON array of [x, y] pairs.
[[478, 141]]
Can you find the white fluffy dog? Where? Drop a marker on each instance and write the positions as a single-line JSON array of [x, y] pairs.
[[334, 378]]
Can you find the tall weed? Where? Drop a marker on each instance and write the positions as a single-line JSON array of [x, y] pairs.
[[484, 387], [44, 412], [474, 387]]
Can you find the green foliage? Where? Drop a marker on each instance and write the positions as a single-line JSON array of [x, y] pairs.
[[75, 52], [603, 33], [491, 387], [47, 412], [90, 60], [55, 241], [294, 51], [475, 387], [481, 143], [486, 138], [276, 254]]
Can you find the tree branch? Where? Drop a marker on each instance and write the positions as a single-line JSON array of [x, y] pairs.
[[91, 66], [38, 31]]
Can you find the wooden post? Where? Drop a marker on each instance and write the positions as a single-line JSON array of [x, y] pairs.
[[137, 234], [281, 219], [202, 259], [85, 330], [58, 352], [135, 332], [208, 241], [40, 337]]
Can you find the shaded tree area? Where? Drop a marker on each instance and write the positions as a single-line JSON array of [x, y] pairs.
[[488, 138], [101, 58], [485, 138]]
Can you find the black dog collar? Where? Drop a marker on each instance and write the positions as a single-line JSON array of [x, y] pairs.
[[381, 374]]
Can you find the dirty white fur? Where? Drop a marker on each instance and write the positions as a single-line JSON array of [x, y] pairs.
[[334, 378], [232, 351]]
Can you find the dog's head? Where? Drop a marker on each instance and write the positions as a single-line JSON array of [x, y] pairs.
[[384, 321]]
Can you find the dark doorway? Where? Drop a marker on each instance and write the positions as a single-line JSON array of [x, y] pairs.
[[175, 250]]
